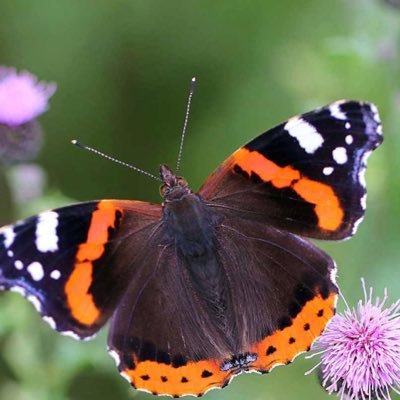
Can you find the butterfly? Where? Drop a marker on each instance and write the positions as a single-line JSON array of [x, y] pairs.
[[213, 283]]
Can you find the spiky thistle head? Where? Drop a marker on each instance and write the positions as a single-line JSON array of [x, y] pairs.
[[360, 350]]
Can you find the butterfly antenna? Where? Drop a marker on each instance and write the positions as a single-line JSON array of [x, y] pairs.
[[185, 123], [99, 153]]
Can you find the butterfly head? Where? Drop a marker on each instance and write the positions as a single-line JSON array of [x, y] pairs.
[[173, 187]]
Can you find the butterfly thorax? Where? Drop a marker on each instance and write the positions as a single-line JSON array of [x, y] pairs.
[[189, 224], [173, 187], [186, 217]]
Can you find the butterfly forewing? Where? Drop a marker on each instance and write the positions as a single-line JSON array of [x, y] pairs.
[[306, 175], [73, 263]]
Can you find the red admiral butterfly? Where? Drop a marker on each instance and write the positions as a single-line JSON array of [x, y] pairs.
[[213, 283]]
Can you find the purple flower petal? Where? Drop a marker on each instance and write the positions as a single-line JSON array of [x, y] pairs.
[[22, 97]]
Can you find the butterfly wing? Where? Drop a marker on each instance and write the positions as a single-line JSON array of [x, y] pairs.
[[161, 336], [71, 262], [306, 175], [289, 289], [276, 298]]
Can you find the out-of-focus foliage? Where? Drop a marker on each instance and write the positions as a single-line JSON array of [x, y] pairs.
[[123, 69]]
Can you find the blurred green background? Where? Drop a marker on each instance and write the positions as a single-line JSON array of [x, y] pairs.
[[123, 68]]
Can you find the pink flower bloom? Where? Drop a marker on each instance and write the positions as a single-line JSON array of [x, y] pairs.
[[22, 97], [360, 350]]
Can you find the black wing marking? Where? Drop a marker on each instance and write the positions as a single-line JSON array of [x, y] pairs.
[[305, 175], [74, 263]]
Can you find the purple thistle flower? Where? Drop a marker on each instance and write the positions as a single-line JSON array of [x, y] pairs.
[[360, 350], [22, 97], [22, 100]]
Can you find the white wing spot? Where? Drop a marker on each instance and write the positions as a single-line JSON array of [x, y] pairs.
[[71, 334], [333, 273], [336, 112], [55, 274], [9, 236], [349, 139], [115, 356], [361, 174], [46, 232], [19, 290], [356, 225], [327, 170], [18, 264], [375, 111], [10, 253], [125, 376], [306, 134], [361, 177], [36, 271], [36, 303], [364, 201], [87, 338], [50, 321], [340, 155], [347, 125]]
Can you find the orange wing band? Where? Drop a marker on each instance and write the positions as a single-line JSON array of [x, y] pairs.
[[80, 301], [327, 206], [194, 378], [283, 345]]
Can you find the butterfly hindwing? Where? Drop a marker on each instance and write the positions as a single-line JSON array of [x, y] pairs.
[[67, 261], [289, 286], [273, 295], [160, 335], [305, 175]]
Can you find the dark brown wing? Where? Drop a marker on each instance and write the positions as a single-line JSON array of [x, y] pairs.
[[306, 175], [277, 297], [161, 335], [279, 284], [74, 263]]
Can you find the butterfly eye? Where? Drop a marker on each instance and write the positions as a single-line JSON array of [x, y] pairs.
[[182, 181], [163, 189]]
